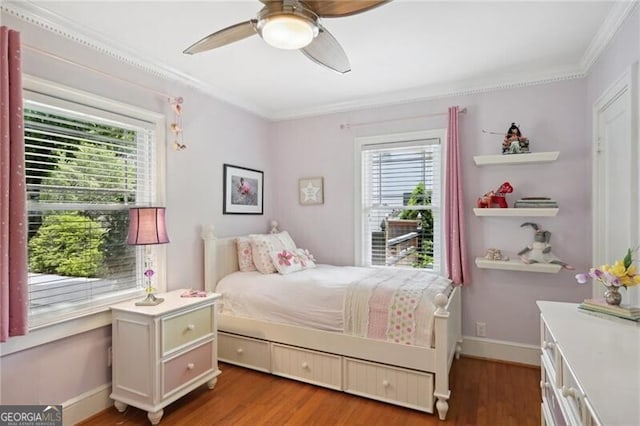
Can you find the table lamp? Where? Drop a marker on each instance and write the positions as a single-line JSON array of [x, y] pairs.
[[147, 226]]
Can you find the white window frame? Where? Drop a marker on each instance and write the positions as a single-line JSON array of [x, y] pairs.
[[44, 330], [402, 139]]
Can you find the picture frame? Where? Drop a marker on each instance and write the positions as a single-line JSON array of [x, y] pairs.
[[311, 191], [242, 190]]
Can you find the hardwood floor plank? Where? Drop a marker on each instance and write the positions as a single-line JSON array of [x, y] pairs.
[[482, 393]]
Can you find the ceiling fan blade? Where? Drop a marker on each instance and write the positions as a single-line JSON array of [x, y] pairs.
[[338, 8], [222, 37], [326, 51]]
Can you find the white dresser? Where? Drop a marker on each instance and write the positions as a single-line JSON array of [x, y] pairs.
[[590, 367], [162, 352]]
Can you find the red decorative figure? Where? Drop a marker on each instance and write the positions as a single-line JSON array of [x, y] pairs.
[[496, 198]]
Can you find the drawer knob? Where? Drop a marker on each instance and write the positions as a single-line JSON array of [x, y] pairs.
[[544, 385], [305, 365], [548, 345], [239, 351], [190, 366], [191, 327], [385, 383]]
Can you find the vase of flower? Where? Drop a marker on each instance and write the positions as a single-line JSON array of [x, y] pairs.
[[612, 296], [623, 273]]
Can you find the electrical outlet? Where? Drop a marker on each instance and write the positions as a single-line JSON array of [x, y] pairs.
[[109, 356], [481, 329]]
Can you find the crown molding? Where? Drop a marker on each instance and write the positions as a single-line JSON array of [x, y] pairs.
[[619, 12], [429, 93], [45, 19], [36, 15]]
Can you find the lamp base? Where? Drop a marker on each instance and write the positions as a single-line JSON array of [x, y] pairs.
[[150, 300]]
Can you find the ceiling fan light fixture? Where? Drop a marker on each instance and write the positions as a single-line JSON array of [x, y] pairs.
[[288, 31]]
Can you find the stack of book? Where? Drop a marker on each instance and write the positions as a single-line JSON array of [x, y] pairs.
[[600, 306], [536, 202]]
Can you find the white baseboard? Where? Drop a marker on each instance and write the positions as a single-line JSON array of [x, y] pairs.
[[501, 350], [86, 405]]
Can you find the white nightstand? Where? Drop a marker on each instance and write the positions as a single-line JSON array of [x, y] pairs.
[[162, 352]]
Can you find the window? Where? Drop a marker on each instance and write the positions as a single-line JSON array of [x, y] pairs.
[[399, 211], [88, 160]]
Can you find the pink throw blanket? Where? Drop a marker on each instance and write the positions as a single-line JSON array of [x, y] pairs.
[[395, 305]]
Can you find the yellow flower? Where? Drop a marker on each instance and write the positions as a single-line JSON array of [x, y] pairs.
[[618, 269]]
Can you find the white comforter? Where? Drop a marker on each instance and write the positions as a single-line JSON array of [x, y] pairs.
[[316, 298]]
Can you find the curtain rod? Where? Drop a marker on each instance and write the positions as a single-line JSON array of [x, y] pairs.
[[368, 123], [97, 71]]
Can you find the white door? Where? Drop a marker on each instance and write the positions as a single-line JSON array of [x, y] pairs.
[[615, 176]]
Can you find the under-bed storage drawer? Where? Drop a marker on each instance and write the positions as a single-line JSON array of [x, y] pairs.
[[409, 388], [308, 366], [244, 351]]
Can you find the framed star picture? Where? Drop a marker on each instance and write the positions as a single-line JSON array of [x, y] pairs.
[[311, 191]]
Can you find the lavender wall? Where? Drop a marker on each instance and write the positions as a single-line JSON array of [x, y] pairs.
[[215, 133], [552, 116]]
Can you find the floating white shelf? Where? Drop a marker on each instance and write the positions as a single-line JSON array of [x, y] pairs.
[[519, 212], [534, 157], [517, 265]]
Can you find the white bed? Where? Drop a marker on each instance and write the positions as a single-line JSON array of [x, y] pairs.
[[313, 348]]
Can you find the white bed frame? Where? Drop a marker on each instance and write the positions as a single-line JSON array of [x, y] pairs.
[[412, 376]]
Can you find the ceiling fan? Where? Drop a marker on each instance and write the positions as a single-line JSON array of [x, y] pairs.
[[294, 24]]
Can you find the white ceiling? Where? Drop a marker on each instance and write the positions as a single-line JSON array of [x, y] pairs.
[[400, 51]]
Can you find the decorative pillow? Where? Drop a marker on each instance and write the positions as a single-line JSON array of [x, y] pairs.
[[286, 261], [263, 244], [306, 259], [286, 240], [245, 259]]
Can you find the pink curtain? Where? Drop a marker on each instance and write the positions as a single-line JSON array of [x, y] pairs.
[[456, 258], [13, 208]]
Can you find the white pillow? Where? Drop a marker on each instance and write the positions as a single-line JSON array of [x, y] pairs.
[[286, 261], [306, 259], [245, 258], [263, 244], [286, 240]]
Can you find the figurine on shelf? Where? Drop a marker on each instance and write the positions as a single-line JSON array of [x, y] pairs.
[[495, 254], [495, 198], [540, 250], [514, 142]]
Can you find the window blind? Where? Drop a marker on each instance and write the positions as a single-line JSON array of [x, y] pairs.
[[401, 203], [83, 172]]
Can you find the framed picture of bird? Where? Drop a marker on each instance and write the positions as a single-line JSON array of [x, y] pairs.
[[242, 190]]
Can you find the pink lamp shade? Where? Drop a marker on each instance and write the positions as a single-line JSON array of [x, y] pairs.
[[147, 225]]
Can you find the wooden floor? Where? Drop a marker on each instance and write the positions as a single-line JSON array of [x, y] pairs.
[[483, 393]]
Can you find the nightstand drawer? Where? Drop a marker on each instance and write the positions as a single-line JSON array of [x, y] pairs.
[[244, 351], [308, 366], [180, 330], [409, 388], [184, 368]]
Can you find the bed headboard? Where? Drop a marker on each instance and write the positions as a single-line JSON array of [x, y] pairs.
[[220, 257]]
